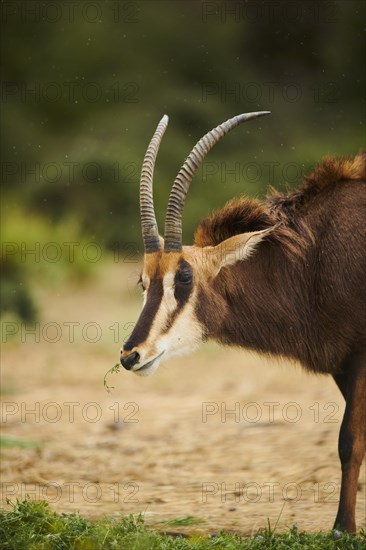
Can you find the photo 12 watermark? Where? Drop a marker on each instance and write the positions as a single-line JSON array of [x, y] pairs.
[[269, 11], [48, 12], [270, 93], [269, 491], [70, 252], [72, 491], [64, 332], [68, 171], [269, 412], [69, 92], [268, 171], [53, 412]]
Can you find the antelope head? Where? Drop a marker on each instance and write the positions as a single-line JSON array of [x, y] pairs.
[[173, 274]]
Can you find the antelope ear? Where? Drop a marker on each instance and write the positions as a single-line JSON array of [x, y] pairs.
[[235, 249]]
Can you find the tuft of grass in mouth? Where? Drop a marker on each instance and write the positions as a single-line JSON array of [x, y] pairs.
[[115, 369]]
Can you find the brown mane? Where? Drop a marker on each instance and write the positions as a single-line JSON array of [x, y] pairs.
[[239, 215], [243, 214]]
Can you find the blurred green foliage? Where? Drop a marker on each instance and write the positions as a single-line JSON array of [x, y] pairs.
[[34, 250], [84, 85]]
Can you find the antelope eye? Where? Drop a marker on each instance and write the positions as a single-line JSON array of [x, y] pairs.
[[184, 276]]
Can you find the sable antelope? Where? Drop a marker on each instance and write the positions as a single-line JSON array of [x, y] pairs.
[[284, 276]]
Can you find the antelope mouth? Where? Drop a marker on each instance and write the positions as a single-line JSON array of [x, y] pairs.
[[145, 368]]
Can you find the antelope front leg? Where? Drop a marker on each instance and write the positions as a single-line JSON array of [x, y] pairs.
[[352, 438]]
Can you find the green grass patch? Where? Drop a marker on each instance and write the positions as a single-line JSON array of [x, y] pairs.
[[29, 525], [185, 520], [11, 441], [7, 390]]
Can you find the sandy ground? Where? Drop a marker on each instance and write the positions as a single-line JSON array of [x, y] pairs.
[[222, 435]]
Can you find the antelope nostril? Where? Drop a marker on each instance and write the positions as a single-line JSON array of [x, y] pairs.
[[131, 360]]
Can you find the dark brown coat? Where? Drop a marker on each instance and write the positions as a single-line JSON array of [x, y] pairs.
[[303, 294]]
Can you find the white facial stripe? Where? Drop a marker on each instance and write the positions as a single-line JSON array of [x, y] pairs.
[[151, 346], [169, 300], [183, 336], [168, 280], [145, 283]]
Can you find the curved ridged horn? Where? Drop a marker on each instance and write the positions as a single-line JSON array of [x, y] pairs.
[[149, 226], [173, 219]]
